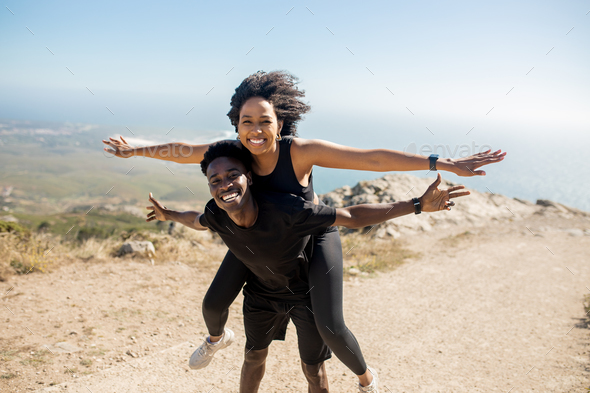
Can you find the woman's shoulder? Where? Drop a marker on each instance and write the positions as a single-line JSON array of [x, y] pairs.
[[300, 143], [304, 146]]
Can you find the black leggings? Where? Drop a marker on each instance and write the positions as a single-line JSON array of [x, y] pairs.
[[325, 279]]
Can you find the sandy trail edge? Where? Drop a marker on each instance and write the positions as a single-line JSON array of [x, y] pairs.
[[495, 311]]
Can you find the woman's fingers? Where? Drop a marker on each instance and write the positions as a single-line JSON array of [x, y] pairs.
[[124, 141], [459, 194], [460, 187]]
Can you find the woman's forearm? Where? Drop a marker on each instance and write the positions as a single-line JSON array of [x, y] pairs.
[[382, 160], [182, 153]]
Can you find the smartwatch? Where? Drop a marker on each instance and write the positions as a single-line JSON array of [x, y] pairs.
[[433, 158], [417, 206]]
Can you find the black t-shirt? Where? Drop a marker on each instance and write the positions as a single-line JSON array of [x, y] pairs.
[[273, 247]]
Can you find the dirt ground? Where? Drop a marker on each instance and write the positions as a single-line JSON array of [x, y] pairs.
[[497, 309]]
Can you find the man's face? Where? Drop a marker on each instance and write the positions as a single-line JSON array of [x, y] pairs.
[[229, 183]]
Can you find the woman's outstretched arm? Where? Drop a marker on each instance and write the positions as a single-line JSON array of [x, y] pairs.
[[310, 152], [182, 153]]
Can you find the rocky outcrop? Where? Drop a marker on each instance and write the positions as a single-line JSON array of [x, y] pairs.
[[476, 209], [145, 248]]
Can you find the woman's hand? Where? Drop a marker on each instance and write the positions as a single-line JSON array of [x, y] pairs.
[[119, 148], [158, 210], [467, 166], [434, 199]]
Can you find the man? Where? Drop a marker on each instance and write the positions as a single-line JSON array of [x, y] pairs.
[[268, 233]]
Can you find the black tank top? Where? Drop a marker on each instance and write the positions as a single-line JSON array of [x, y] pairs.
[[283, 178]]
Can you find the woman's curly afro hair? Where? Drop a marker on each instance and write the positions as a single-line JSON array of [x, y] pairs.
[[277, 87]]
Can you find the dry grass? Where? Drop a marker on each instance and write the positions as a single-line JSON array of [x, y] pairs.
[[371, 254], [43, 252], [20, 254]]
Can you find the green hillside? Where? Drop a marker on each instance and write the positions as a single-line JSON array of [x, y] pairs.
[[53, 173]]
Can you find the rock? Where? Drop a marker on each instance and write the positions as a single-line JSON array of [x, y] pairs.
[[64, 347], [132, 354], [354, 271], [145, 247], [575, 232], [9, 218], [478, 209], [554, 205]]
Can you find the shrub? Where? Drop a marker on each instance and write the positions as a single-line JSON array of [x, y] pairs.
[[12, 227], [98, 232]]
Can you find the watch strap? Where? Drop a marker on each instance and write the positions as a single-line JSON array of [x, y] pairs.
[[433, 158], [417, 205]]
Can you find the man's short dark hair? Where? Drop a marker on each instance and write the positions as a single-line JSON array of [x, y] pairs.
[[226, 149]]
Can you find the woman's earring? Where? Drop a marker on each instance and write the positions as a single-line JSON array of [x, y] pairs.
[[238, 137], [279, 137]]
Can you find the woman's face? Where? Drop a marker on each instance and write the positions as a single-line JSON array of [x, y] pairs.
[[258, 126]]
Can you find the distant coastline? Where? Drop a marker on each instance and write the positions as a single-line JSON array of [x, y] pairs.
[[518, 176]]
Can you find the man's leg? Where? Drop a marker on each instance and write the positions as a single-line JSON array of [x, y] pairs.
[[316, 376], [264, 321], [253, 370], [224, 288]]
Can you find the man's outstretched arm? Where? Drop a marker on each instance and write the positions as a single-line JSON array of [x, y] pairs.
[[161, 213], [360, 216]]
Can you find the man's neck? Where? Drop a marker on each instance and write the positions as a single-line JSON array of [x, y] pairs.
[[245, 217]]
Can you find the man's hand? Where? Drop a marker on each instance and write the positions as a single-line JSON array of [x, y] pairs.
[[118, 148], [158, 210], [434, 199], [467, 166]]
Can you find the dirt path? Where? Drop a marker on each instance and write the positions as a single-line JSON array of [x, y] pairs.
[[490, 311]]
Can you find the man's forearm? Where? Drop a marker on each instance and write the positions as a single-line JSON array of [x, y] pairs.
[[179, 152], [361, 216], [185, 218]]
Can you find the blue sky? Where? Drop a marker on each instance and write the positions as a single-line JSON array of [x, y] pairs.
[[376, 73]]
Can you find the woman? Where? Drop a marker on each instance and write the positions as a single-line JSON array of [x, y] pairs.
[[264, 111]]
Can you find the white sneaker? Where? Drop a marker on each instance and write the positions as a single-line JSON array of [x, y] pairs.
[[373, 387], [204, 354]]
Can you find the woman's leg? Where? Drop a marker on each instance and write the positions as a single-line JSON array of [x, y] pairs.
[[325, 279], [226, 285]]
